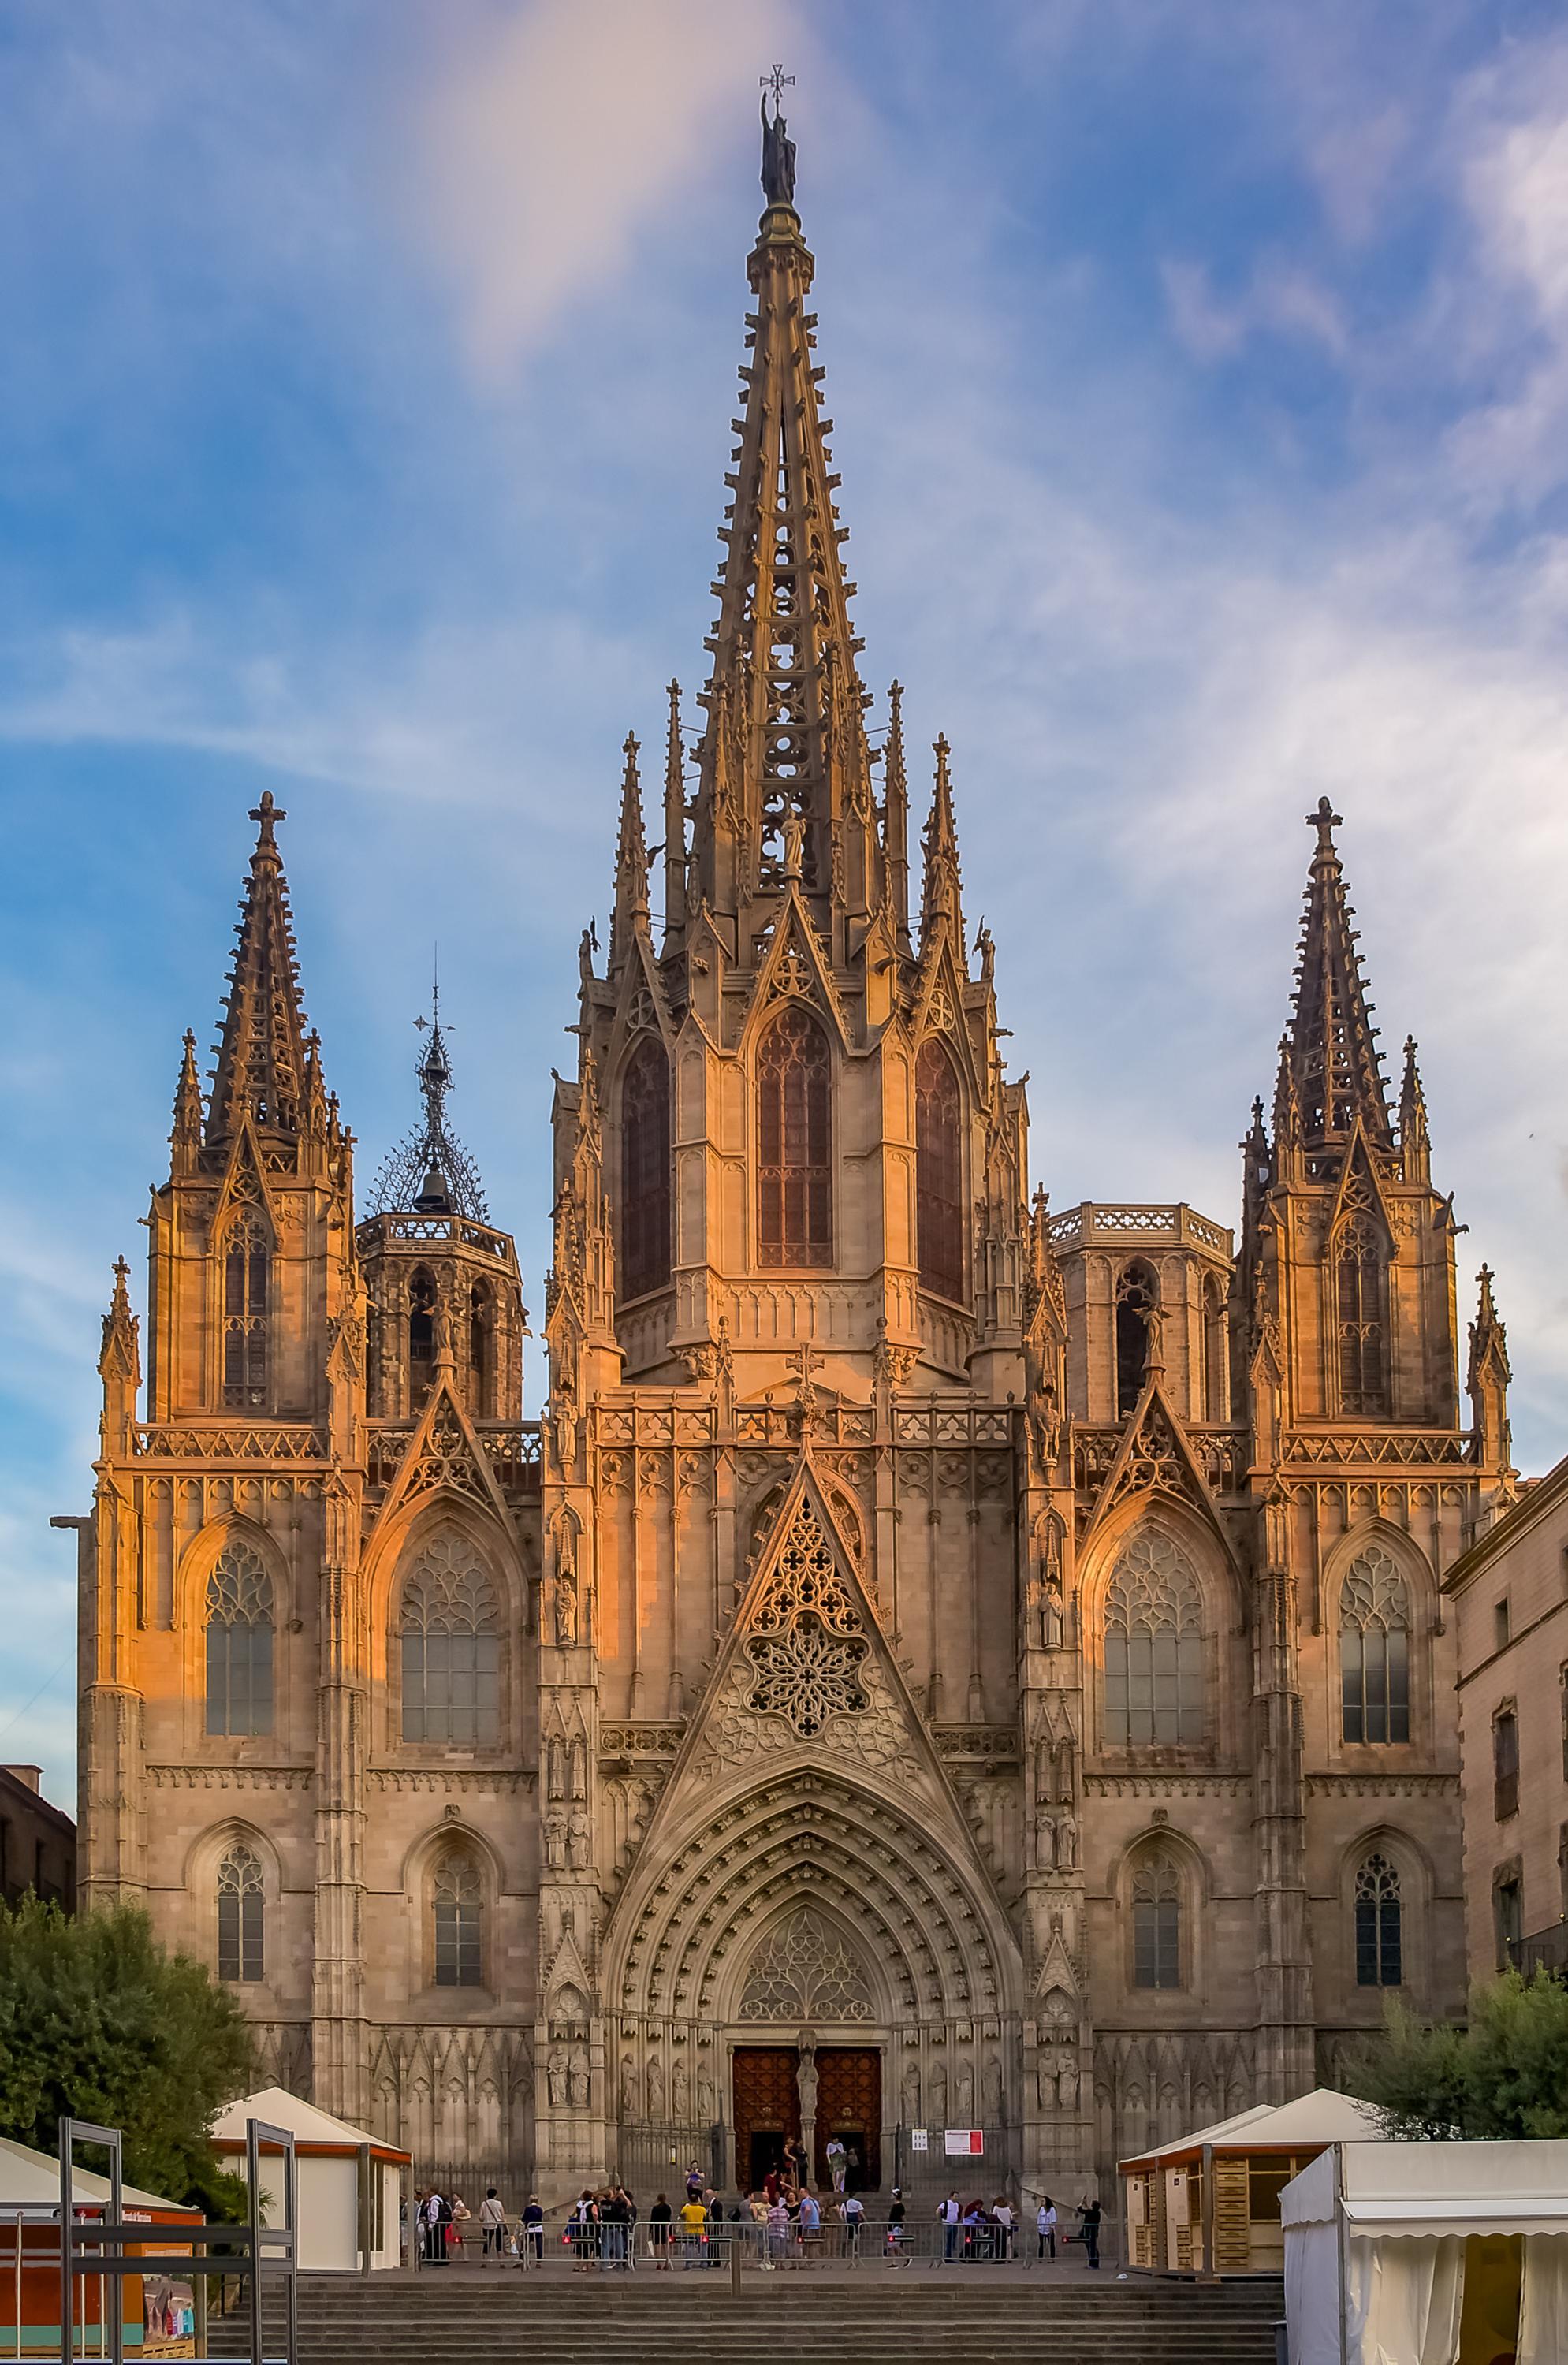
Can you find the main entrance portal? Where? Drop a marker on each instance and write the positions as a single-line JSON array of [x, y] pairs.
[[845, 2083]]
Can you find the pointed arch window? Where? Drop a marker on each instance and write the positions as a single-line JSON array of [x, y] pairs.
[[1374, 1649], [238, 1643], [450, 1637], [1361, 1300], [939, 1170], [1379, 1925], [422, 1334], [1156, 1920], [1216, 1382], [1153, 1647], [246, 1273], [794, 1141], [457, 1898], [1136, 1295], [645, 1170], [481, 1316], [241, 1907]]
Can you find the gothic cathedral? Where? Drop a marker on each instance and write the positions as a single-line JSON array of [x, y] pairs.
[[936, 1664]]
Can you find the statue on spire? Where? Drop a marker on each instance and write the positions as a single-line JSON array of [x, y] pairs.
[[777, 148]]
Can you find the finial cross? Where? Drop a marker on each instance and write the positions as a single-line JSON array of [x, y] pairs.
[[778, 81]]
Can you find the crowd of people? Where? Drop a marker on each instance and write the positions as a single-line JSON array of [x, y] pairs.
[[784, 2217]]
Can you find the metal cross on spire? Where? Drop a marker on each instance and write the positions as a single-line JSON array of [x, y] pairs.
[[431, 1173], [778, 81]]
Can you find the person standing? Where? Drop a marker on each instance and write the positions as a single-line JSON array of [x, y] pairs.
[[1046, 2225], [661, 2217], [1089, 2230], [493, 2224], [811, 2223], [949, 2212], [716, 2230], [1002, 2218], [694, 2224], [897, 2255], [853, 2211], [533, 2248], [837, 2163], [459, 2215]]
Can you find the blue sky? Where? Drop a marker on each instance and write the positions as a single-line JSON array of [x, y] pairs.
[[1201, 381]]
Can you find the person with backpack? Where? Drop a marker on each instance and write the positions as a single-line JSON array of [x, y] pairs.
[[852, 2209], [949, 2212], [493, 2224], [531, 2250]]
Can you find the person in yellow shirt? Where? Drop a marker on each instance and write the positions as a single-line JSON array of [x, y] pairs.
[[694, 2223]]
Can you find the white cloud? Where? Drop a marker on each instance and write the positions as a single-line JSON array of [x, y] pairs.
[[1280, 298], [555, 138]]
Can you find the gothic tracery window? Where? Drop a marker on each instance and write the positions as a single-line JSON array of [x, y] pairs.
[[803, 1972], [794, 1144], [1156, 1920], [807, 1646], [1135, 1294], [450, 1634], [421, 1335], [939, 1170], [1379, 1928], [1153, 1646], [247, 1262], [1374, 1649], [241, 1910], [457, 1900], [645, 1170], [239, 1620], [1361, 1294]]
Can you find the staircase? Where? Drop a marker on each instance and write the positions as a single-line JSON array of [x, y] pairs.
[[876, 2317]]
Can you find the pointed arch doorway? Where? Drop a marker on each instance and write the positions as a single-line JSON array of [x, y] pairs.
[[791, 2101]]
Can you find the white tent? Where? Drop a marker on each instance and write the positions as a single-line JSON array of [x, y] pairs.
[[350, 2181], [1428, 2254], [31, 2180], [1210, 2200]]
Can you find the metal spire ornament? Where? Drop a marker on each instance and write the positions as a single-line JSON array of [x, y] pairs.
[[430, 1173]]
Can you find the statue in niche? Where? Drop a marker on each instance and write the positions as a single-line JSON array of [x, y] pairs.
[[1066, 1846], [579, 1838], [564, 1424], [680, 2088], [628, 2088], [806, 2077], [911, 2095], [577, 2078], [554, 1842], [566, 1609], [966, 2091], [939, 2096], [555, 2078], [704, 2097], [993, 2092], [579, 1769], [655, 2089]]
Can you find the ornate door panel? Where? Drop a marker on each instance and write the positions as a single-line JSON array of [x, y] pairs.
[[767, 2108], [849, 2105]]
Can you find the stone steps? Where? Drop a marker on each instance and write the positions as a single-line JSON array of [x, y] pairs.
[[876, 2316]]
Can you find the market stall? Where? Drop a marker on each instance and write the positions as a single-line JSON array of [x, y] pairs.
[[350, 2181], [29, 2256], [1209, 2203], [1428, 2254]]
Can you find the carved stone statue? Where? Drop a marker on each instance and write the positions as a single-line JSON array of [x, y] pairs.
[[777, 158], [655, 2089], [806, 2080], [555, 2078], [577, 2078], [554, 1842], [966, 2093], [565, 1610], [578, 1836], [628, 2088], [680, 2088]]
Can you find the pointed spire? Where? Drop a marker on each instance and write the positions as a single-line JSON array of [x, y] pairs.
[[185, 1138], [895, 820], [429, 1173], [784, 700], [1415, 1141], [118, 1359], [1486, 1382], [1287, 1108], [675, 826], [1333, 1044], [941, 888], [631, 910], [260, 1070]]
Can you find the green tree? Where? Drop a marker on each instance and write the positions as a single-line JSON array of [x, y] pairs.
[[1503, 2077], [97, 2022]]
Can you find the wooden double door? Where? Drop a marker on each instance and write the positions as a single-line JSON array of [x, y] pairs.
[[767, 2102]]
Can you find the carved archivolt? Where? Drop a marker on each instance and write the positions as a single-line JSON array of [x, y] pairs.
[[808, 1833]]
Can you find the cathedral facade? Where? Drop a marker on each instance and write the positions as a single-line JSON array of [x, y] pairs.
[[936, 1664]]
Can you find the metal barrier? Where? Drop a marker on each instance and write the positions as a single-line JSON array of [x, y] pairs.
[[741, 2245], [103, 2248]]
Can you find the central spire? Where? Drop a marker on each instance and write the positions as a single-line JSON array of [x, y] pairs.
[[1329, 1056], [785, 738]]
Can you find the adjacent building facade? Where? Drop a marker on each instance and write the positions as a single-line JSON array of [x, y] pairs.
[[934, 1662], [1509, 1599]]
